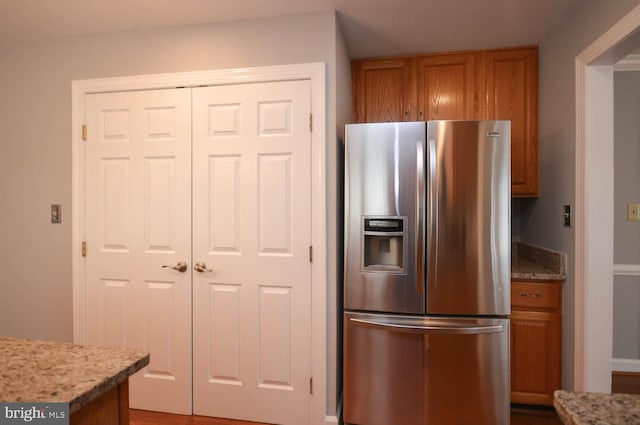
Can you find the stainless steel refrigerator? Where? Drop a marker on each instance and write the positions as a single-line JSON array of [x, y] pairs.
[[427, 273]]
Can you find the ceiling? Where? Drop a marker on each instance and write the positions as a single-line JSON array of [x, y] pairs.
[[370, 27]]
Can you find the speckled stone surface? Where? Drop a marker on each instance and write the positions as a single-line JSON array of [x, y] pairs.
[[533, 262], [44, 371], [576, 408]]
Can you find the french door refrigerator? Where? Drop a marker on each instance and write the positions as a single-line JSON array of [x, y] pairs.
[[427, 273]]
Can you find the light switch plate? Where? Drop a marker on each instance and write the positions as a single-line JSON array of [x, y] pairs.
[[56, 213], [566, 215], [633, 212]]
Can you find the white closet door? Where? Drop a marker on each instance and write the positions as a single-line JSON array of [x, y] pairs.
[[252, 229], [138, 219]]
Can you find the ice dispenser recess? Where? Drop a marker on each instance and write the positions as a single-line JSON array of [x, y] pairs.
[[384, 241]]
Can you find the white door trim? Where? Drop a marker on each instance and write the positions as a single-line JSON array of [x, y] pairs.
[[315, 72], [594, 188]]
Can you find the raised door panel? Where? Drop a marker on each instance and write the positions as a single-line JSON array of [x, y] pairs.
[[383, 90], [448, 87], [512, 94], [535, 356]]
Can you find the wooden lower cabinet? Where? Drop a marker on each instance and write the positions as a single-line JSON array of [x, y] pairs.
[[536, 341], [111, 408]]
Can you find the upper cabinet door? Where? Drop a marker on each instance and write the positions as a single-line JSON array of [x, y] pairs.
[[448, 87], [512, 94], [383, 90]]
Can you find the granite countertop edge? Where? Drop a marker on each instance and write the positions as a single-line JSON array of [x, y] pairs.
[[585, 408], [533, 262], [105, 386], [37, 371]]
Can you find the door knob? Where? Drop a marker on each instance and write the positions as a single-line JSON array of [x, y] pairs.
[[201, 267], [180, 267]]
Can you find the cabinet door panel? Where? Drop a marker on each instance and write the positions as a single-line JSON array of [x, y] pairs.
[[535, 356], [447, 87], [512, 94], [383, 90]]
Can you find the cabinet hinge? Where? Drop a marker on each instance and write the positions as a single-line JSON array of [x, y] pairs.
[[311, 386], [311, 254], [84, 248], [310, 121], [84, 132]]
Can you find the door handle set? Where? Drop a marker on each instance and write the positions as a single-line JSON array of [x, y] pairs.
[[182, 267], [201, 267]]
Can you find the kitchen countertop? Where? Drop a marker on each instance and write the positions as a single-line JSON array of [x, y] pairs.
[[532, 262], [577, 408], [44, 371]]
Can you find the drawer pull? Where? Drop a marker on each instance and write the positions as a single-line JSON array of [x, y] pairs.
[[527, 294]]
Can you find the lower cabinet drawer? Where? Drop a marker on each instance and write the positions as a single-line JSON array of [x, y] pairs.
[[537, 295]]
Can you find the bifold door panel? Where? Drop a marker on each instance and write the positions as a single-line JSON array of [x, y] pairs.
[[198, 227], [138, 172], [251, 220]]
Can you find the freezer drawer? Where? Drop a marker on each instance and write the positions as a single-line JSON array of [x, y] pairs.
[[414, 370]]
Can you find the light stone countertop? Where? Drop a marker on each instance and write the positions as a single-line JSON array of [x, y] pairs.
[[578, 408], [532, 262], [44, 371]]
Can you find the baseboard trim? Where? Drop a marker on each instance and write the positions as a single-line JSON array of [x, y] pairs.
[[625, 382], [330, 419], [625, 365]]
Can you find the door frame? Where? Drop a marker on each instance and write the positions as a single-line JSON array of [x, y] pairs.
[[315, 73], [594, 187]]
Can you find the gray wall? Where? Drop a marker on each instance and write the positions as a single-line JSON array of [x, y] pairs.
[[627, 165], [541, 222], [335, 213], [35, 165], [626, 317], [626, 290]]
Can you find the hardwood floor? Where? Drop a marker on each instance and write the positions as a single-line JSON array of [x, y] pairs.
[[528, 416], [519, 416], [143, 417]]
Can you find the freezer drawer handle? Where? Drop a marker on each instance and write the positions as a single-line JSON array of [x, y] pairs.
[[433, 329]]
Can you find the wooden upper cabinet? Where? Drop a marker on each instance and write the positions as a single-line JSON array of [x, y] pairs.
[[448, 87], [383, 90], [512, 94], [491, 84]]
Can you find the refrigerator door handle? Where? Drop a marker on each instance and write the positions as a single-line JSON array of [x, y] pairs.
[[409, 326], [419, 236], [432, 212]]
